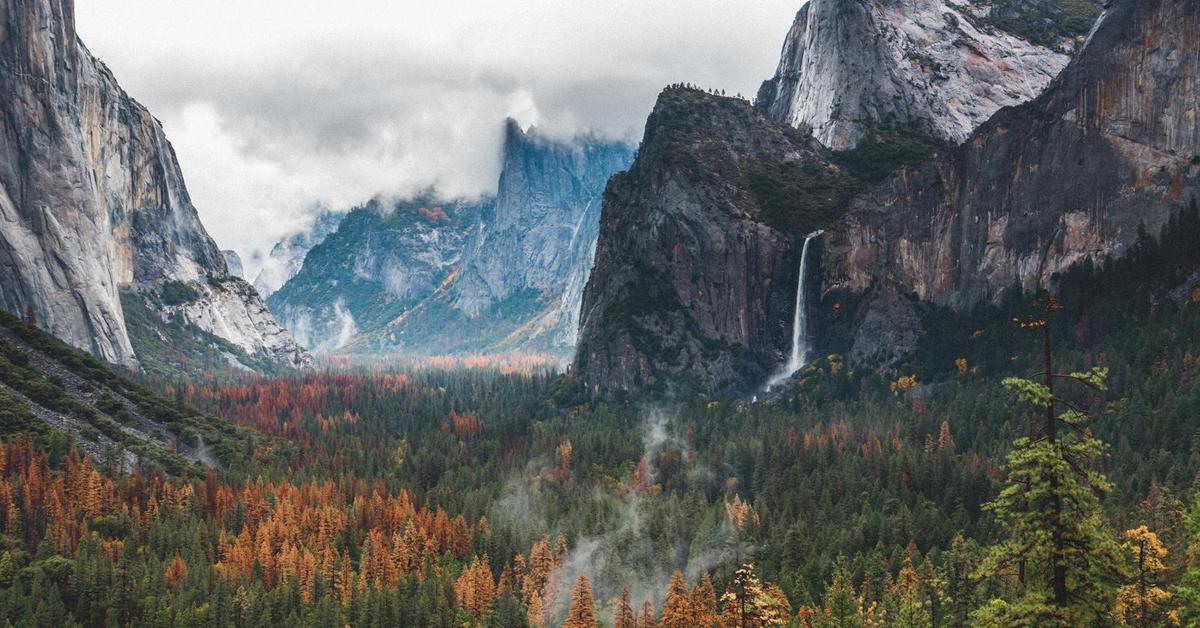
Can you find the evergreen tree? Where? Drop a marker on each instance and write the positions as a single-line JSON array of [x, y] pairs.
[[958, 572], [843, 607], [1059, 547], [1187, 592]]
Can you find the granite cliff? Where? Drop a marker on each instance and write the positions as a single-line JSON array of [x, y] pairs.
[[93, 203], [696, 262], [934, 67]]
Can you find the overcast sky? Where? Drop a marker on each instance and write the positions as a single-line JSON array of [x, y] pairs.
[[279, 106]]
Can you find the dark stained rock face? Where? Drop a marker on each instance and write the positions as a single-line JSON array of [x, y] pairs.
[[1113, 145], [692, 287]]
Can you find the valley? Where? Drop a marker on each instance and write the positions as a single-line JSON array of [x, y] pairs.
[[911, 339]]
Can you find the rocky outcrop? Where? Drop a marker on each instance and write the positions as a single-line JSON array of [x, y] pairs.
[[92, 200], [935, 67], [696, 262], [692, 289], [233, 262], [1113, 145], [287, 256]]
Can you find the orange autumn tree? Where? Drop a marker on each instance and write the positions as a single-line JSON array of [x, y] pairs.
[[646, 618], [175, 572], [677, 610], [475, 588], [704, 604], [624, 616], [582, 612]]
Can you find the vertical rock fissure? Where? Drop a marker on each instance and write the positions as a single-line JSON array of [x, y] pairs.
[[800, 345]]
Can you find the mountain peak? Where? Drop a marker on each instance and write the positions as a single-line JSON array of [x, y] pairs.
[[933, 67]]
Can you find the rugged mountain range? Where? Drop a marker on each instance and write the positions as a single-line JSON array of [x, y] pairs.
[[540, 236], [432, 276], [1111, 145], [382, 261], [934, 67], [93, 205]]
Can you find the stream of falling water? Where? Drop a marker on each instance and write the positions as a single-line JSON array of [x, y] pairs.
[[800, 349]]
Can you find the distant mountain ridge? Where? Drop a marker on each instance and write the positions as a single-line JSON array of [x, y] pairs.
[[436, 276], [382, 261], [94, 206]]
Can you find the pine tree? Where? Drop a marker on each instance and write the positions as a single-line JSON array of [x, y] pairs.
[[906, 606], [677, 609], [175, 572], [958, 572], [624, 616], [750, 604], [843, 606], [582, 612], [1059, 547]]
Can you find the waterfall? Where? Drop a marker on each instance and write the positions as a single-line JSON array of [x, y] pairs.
[[799, 355]]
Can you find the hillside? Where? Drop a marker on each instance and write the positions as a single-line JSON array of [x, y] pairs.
[[68, 399]]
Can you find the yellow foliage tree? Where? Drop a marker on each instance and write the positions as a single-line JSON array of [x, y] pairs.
[[1141, 601]]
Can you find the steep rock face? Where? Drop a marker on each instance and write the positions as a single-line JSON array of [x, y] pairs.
[[540, 236], [691, 287], [91, 196], [1112, 145], [287, 256], [379, 264], [935, 67]]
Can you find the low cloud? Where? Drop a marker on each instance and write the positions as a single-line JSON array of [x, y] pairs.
[[277, 106]]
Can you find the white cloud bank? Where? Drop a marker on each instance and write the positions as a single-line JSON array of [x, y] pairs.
[[279, 106]]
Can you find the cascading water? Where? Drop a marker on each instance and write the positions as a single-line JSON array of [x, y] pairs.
[[800, 348]]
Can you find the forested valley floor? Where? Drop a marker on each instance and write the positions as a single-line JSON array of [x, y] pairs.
[[957, 490]]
